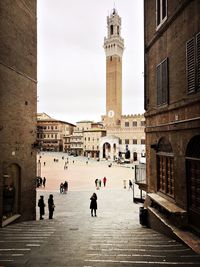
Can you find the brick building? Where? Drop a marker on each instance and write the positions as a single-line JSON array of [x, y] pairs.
[[18, 98], [172, 104]]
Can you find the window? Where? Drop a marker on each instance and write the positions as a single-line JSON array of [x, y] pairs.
[[111, 29], [142, 123], [193, 64], [120, 141], [126, 124], [126, 141], [134, 123], [162, 82], [161, 12], [88, 138], [142, 141], [134, 141]]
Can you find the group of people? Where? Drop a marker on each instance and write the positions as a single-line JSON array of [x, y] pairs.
[[40, 182], [42, 205], [98, 182], [64, 187]]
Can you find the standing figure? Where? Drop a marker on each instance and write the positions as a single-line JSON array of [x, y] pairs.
[[93, 204], [41, 206], [51, 206], [44, 181], [61, 188], [104, 181], [65, 186], [99, 182]]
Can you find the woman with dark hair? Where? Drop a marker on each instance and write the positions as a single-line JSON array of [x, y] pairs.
[[51, 206], [93, 204]]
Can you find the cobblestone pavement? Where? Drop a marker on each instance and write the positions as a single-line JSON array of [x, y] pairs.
[[74, 238]]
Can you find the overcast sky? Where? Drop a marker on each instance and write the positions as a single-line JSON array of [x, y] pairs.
[[72, 62]]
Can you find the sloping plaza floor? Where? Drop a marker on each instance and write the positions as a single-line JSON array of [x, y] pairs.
[[74, 238]]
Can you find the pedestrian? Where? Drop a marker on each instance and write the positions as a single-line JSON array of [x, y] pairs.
[[96, 182], [99, 182], [51, 206], [65, 186], [104, 181], [93, 204], [44, 181], [61, 188], [41, 206], [130, 184], [44, 163]]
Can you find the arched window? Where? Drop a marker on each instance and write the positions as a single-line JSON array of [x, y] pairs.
[[165, 167], [118, 30]]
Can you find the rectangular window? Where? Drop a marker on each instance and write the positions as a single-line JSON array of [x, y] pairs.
[[193, 64], [134, 141], [126, 124], [142, 123], [126, 141], [134, 123], [162, 82], [161, 12], [120, 141], [142, 141], [166, 175]]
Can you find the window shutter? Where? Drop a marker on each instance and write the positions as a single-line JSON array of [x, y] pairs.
[[159, 84], [198, 61], [165, 82], [190, 54]]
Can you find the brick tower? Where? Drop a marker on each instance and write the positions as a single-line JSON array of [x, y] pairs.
[[114, 47]]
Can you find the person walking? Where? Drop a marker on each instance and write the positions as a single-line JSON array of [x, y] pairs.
[[104, 181], [93, 204], [99, 182], [41, 206], [51, 206], [96, 182]]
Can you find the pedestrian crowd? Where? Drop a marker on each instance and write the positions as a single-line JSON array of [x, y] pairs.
[[40, 182], [64, 187], [98, 182]]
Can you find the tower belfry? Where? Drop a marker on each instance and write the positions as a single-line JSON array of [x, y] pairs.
[[114, 47]]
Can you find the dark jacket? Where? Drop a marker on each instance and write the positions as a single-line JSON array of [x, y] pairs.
[[41, 205], [93, 203], [51, 204]]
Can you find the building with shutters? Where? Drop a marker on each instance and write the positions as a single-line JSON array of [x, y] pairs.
[[52, 134], [172, 104]]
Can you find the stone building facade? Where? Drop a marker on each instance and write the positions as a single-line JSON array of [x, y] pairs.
[[172, 103], [51, 133], [18, 99]]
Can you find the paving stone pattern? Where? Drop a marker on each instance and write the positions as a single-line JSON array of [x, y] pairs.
[[74, 238]]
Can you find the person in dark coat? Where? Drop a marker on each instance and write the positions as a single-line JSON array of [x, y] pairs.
[[93, 204], [51, 206], [41, 206]]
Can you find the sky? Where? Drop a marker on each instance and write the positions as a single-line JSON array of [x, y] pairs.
[[72, 62]]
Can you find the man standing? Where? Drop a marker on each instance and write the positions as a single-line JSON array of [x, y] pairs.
[[104, 181]]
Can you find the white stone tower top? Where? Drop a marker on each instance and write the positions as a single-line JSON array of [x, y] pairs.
[[114, 43]]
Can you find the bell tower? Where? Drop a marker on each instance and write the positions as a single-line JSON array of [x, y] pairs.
[[114, 47]]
